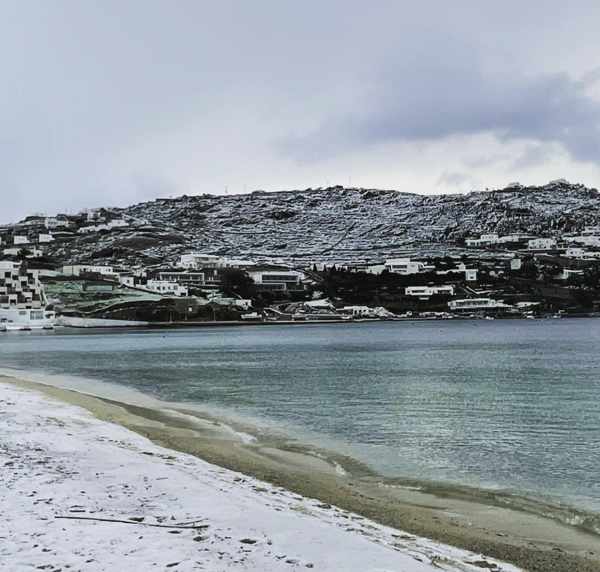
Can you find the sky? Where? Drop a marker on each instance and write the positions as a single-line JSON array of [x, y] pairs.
[[116, 102]]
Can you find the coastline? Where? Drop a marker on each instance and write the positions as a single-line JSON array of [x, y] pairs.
[[182, 324], [446, 515], [82, 493]]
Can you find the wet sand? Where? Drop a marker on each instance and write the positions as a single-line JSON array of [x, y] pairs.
[[462, 517]]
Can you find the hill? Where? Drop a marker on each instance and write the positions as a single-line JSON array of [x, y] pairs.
[[336, 224]]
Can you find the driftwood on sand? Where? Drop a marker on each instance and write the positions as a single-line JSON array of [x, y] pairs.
[[194, 527]]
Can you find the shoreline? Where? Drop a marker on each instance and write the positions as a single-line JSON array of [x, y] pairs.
[[479, 524], [182, 324], [83, 494]]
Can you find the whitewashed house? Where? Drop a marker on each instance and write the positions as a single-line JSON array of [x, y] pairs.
[[542, 244], [477, 305], [279, 279], [567, 273], [79, 269], [585, 239], [483, 240], [166, 288], [22, 299], [406, 266], [20, 239], [15, 251], [45, 238], [425, 292], [197, 260]]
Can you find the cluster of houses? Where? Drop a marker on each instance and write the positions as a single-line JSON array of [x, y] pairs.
[[201, 275], [30, 236], [583, 245], [194, 271]]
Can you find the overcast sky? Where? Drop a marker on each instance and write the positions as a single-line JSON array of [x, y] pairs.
[[115, 102]]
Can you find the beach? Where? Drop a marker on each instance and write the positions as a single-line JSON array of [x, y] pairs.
[[246, 504], [86, 494]]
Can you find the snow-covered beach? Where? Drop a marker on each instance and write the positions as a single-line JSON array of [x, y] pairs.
[[78, 493]]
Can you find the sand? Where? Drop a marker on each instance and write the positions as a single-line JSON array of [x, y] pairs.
[[459, 517]]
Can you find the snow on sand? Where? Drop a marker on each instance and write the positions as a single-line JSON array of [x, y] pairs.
[[61, 469]]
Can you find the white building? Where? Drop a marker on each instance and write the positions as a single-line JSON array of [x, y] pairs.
[[585, 239], [320, 304], [45, 238], [22, 299], [567, 273], [476, 305], [491, 238], [86, 229], [127, 279], [541, 244], [52, 222], [199, 260], [483, 240], [575, 252], [186, 277], [20, 239], [470, 273], [15, 251], [93, 214], [94, 228], [514, 238], [406, 266], [280, 279], [196, 260], [359, 311], [425, 292], [241, 303], [79, 269], [164, 287], [117, 223]]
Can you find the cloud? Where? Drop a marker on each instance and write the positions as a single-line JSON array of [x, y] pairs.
[[454, 179], [113, 102], [438, 102], [535, 154]]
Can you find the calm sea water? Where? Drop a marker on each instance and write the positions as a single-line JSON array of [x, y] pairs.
[[506, 404]]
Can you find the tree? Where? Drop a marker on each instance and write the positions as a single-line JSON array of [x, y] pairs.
[[235, 282], [529, 269], [23, 253]]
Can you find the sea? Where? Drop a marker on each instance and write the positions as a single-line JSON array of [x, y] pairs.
[[507, 405]]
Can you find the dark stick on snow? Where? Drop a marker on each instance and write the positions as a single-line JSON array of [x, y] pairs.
[[134, 522]]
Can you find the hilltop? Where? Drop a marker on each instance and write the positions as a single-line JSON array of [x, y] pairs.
[[336, 223], [333, 224]]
